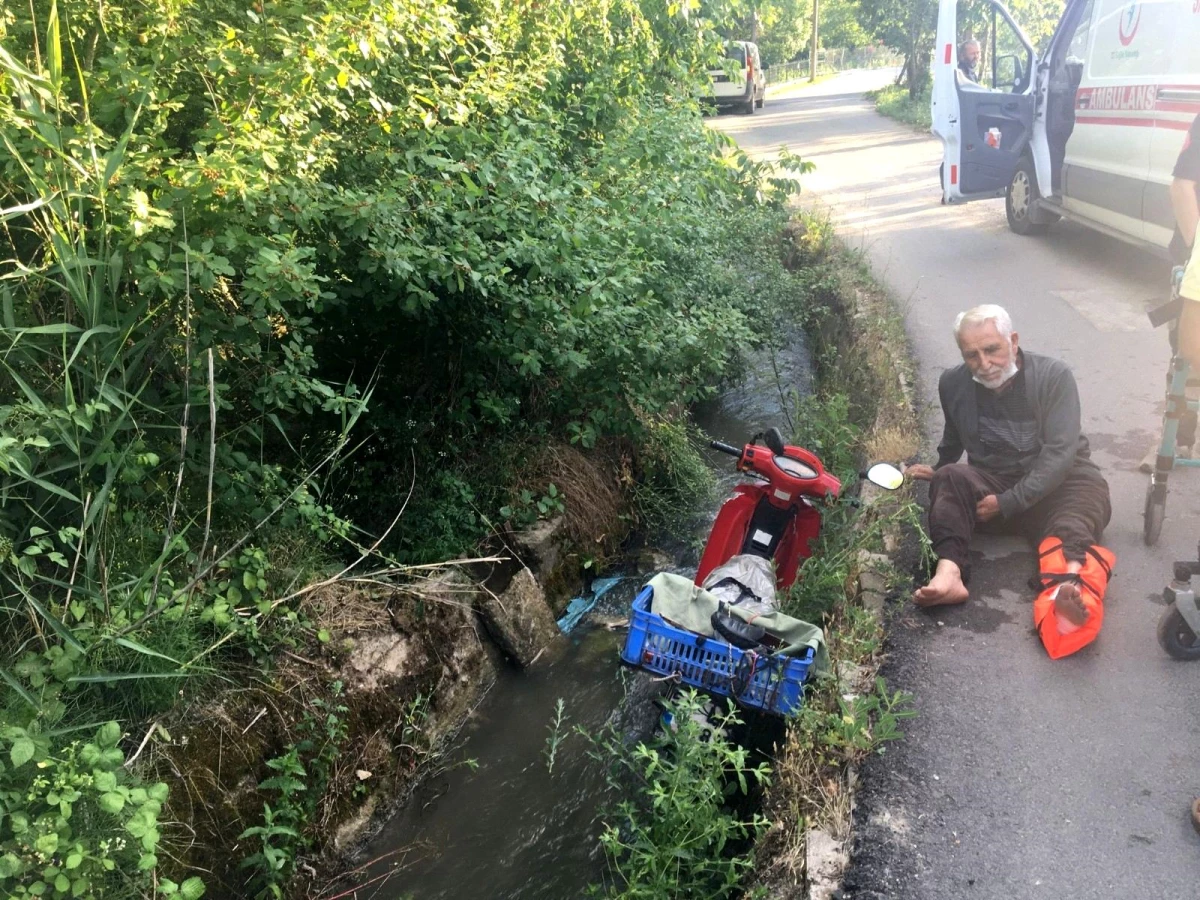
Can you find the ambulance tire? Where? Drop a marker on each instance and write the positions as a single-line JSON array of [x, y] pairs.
[[1019, 200], [1177, 637]]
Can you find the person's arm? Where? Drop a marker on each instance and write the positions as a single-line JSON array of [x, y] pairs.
[[950, 450], [1183, 188], [1187, 209], [1060, 444]]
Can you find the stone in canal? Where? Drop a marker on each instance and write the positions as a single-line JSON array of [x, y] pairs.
[[520, 621]]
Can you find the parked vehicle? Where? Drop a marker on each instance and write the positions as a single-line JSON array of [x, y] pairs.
[[1089, 130], [741, 82], [729, 638]]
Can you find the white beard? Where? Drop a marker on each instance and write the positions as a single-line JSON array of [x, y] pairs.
[[995, 382]]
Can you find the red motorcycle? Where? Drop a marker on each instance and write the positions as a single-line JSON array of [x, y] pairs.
[[775, 517], [762, 534]]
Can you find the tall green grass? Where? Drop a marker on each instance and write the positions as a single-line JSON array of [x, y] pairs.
[[121, 565]]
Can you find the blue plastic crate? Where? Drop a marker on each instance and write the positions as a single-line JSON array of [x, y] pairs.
[[711, 664]]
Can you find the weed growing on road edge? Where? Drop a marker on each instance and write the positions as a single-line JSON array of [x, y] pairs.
[[894, 102], [861, 412]]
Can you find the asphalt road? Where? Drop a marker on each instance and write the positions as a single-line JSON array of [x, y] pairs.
[[1022, 777]]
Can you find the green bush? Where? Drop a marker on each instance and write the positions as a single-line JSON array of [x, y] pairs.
[[74, 824], [678, 838], [233, 233]]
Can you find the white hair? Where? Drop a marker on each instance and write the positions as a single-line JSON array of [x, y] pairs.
[[981, 315], [969, 42]]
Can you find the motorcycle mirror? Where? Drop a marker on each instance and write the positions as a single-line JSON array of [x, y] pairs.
[[885, 475], [774, 441]]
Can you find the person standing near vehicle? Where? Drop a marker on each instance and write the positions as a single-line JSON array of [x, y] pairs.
[[1028, 470], [968, 60], [1185, 200]]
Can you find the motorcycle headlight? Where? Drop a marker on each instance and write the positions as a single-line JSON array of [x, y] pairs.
[[795, 468]]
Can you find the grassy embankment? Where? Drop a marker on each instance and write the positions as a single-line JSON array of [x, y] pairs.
[[864, 413], [895, 102]]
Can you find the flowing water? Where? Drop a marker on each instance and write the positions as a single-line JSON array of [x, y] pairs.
[[506, 826]]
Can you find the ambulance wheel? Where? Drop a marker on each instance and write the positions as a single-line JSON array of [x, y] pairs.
[[1153, 513], [1020, 198], [1177, 637]]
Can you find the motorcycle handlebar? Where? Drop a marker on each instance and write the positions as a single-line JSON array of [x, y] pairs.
[[725, 448]]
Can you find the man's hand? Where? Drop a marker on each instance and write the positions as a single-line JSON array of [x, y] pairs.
[[987, 508], [919, 472]]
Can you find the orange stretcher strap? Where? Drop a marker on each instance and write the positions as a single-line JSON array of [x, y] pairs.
[[1060, 636]]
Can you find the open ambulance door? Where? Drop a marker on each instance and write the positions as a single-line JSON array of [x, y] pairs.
[[985, 127]]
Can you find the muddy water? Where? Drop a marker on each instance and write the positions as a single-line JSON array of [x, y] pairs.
[[506, 827]]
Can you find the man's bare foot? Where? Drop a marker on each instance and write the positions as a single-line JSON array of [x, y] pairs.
[[1069, 604], [944, 589]]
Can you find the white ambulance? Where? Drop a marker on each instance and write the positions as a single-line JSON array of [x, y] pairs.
[[1089, 129]]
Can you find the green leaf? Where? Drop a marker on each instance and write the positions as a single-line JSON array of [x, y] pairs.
[[106, 677], [74, 860], [62, 883], [54, 46], [22, 751], [144, 650], [192, 889], [112, 802], [10, 865], [108, 734]]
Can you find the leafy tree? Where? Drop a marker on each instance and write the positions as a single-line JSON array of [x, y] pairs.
[[841, 25], [783, 28], [907, 25]]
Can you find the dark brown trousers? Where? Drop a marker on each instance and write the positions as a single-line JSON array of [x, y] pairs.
[[1075, 512]]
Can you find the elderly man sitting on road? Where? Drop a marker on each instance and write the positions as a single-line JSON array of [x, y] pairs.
[[1028, 470]]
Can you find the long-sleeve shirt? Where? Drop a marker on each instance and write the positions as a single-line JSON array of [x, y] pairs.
[[1058, 442]]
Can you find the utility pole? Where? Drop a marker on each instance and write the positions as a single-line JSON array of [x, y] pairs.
[[812, 54]]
